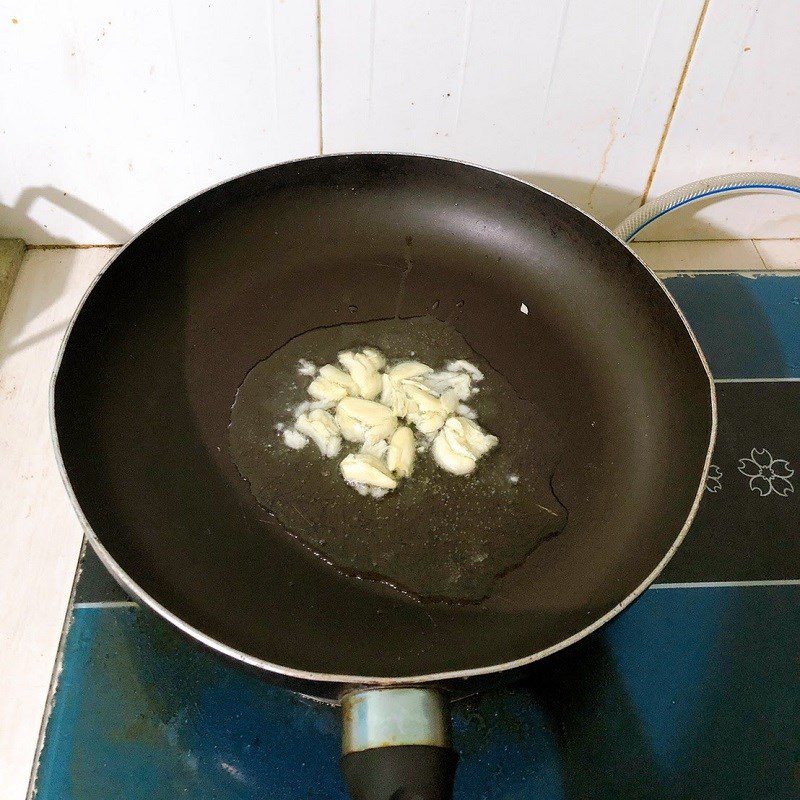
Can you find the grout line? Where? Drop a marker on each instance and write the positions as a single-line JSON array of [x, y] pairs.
[[772, 239], [674, 106], [683, 272], [755, 380], [726, 584], [715, 239], [319, 75], [467, 37], [107, 604], [70, 246], [758, 253]]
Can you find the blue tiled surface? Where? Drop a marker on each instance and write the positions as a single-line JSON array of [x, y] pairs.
[[651, 707], [691, 693], [747, 327]]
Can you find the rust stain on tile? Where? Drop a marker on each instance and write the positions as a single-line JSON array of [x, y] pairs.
[[612, 137]]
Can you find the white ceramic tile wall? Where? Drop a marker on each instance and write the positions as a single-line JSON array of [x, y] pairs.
[[113, 111], [573, 95], [739, 109]]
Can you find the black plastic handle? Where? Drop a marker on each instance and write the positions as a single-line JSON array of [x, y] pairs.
[[402, 772]]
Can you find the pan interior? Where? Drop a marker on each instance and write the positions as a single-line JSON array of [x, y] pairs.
[[144, 390]]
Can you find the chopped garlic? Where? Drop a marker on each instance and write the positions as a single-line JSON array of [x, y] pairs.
[[465, 411], [465, 366], [294, 439], [401, 452], [371, 491], [419, 398], [375, 356], [367, 470], [323, 389], [370, 398], [408, 369], [429, 422], [321, 428], [307, 405], [364, 373], [392, 396], [377, 447], [449, 401], [305, 367], [339, 377], [358, 419], [477, 439], [460, 444], [457, 383], [448, 459]]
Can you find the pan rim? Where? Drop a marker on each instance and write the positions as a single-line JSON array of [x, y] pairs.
[[134, 590]]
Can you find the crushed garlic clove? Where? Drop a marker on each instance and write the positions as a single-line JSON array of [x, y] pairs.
[[339, 377], [401, 452], [375, 356], [375, 447], [420, 398], [464, 366], [459, 383], [307, 405], [364, 373], [428, 423], [323, 389], [478, 441], [294, 439], [358, 418], [408, 369], [321, 428], [366, 470], [459, 445], [448, 458]]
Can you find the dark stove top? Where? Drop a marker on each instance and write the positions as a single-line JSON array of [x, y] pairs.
[[693, 692]]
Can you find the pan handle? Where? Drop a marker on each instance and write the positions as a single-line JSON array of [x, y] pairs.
[[396, 744]]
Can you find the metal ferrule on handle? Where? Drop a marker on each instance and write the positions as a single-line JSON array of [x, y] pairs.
[[396, 744], [394, 717]]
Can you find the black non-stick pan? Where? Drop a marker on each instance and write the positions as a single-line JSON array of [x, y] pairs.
[[560, 307]]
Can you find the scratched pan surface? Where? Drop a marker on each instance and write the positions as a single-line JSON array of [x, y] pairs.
[[144, 389]]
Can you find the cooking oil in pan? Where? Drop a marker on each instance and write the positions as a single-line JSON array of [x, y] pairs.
[[438, 536]]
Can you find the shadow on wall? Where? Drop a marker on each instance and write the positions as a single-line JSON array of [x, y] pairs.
[[577, 191], [580, 193], [16, 220]]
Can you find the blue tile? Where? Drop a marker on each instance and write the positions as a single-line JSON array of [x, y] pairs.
[[747, 327], [673, 699]]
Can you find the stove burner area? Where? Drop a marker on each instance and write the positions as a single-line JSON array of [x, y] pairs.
[[692, 692]]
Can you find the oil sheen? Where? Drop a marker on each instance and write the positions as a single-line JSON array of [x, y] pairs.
[[437, 537]]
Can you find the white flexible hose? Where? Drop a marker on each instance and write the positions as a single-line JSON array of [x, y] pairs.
[[719, 184]]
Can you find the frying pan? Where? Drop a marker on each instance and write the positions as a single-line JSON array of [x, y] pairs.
[[148, 372]]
